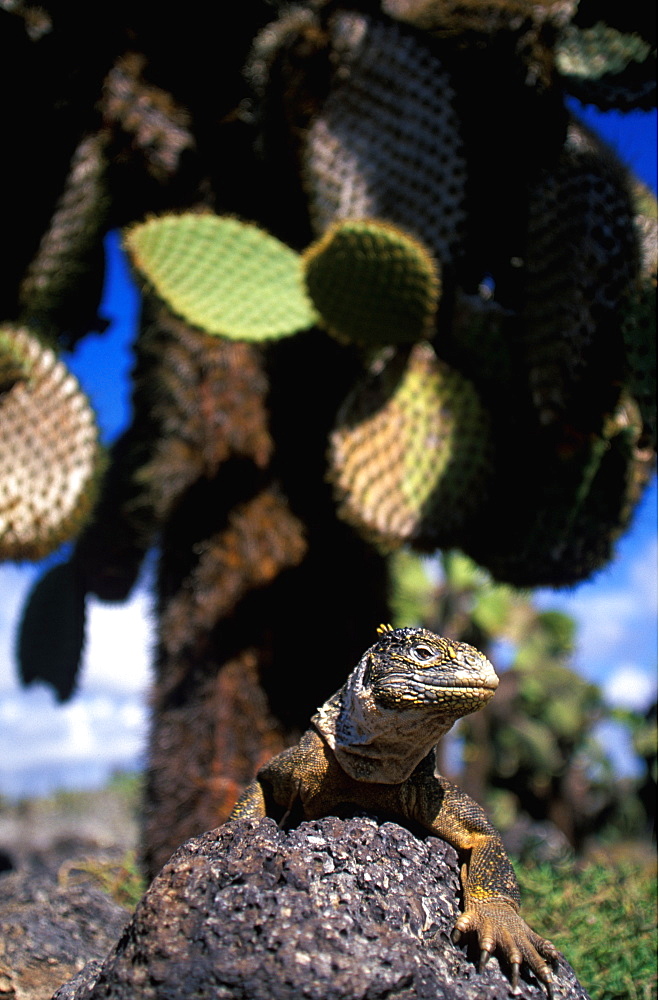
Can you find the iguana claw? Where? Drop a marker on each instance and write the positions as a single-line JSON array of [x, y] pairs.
[[499, 927]]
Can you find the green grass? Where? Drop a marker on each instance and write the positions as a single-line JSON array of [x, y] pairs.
[[120, 879], [602, 914]]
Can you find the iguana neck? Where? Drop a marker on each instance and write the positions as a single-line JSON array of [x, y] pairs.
[[375, 744]]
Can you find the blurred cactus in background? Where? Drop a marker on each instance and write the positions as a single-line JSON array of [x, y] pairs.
[[49, 454], [410, 454], [393, 293]]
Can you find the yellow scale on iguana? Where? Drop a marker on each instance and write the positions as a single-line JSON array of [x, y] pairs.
[[372, 745]]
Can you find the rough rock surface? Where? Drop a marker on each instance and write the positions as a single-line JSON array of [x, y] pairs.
[[48, 931], [332, 910]]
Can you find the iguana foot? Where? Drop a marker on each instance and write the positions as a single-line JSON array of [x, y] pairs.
[[500, 928]]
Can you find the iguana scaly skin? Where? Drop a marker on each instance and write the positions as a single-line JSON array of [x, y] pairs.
[[372, 745]]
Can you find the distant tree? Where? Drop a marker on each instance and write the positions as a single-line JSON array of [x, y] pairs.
[[535, 748], [477, 278], [643, 728]]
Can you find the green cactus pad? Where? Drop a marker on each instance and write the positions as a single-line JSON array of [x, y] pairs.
[[52, 631], [372, 283], [49, 452], [229, 278], [410, 454]]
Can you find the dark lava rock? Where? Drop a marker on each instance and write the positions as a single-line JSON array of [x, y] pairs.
[[50, 931], [332, 910]]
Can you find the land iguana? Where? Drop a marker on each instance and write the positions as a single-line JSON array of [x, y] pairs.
[[371, 745]]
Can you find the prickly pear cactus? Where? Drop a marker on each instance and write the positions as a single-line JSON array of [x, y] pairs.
[[572, 507], [411, 452], [387, 142], [49, 452], [492, 367], [372, 284], [639, 317], [52, 631], [70, 254], [639, 329], [581, 256], [222, 275]]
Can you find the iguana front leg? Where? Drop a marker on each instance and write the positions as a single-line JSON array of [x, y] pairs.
[[251, 804], [276, 787], [491, 893]]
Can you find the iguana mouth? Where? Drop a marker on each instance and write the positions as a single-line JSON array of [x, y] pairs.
[[406, 685], [491, 683], [485, 686]]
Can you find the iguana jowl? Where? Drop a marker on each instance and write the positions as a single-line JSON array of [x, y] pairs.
[[372, 745]]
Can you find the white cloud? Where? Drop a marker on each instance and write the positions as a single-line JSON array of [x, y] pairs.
[[119, 643], [630, 687], [15, 581], [45, 745], [119, 636]]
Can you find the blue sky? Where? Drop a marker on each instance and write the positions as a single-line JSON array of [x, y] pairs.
[[44, 746]]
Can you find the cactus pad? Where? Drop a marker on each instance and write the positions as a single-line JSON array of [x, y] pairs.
[[62, 286], [371, 283], [639, 319], [158, 127], [224, 276], [480, 333], [558, 523], [409, 456], [48, 450], [639, 330], [52, 631], [387, 142], [581, 256]]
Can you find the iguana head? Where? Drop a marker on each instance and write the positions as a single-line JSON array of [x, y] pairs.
[[406, 692], [414, 667]]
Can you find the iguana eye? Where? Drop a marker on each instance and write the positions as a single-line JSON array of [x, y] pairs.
[[422, 653]]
